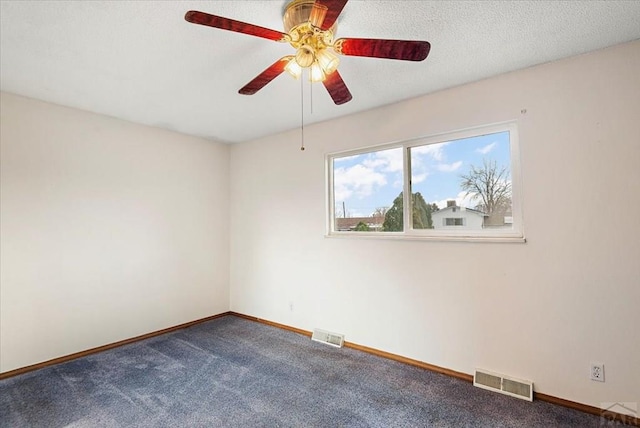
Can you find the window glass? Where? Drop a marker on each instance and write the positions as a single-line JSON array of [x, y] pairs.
[[367, 191], [460, 185], [466, 182]]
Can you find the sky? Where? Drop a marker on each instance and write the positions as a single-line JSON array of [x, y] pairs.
[[372, 180]]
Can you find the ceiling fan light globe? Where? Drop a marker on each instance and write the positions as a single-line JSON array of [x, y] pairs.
[[305, 56], [316, 74], [293, 68], [327, 61]]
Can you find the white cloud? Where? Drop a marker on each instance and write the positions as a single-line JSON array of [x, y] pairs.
[[435, 151], [345, 158], [356, 213], [486, 149], [462, 200], [357, 180], [375, 163], [419, 178], [386, 160], [449, 167], [421, 159], [371, 172]]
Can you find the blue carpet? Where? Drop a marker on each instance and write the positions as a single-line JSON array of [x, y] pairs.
[[231, 372]]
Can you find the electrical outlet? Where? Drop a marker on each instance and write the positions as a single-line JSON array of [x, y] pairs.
[[291, 306], [597, 372]]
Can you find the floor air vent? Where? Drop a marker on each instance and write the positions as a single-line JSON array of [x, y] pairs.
[[328, 338], [503, 384]]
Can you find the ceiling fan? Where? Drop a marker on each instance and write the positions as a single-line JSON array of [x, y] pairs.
[[309, 27]]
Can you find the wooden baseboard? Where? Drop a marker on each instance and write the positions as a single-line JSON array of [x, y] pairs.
[[271, 323], [410, 361], [605, 414], [608, 415], [81, 354], [388, 355]]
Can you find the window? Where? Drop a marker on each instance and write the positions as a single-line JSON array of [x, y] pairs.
[[449, 221], [462, 185]]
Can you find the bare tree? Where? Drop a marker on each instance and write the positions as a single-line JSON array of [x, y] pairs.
[[380, 212], [490, 185]]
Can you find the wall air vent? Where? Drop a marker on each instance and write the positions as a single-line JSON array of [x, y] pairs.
[[503, 384], [328, 338]]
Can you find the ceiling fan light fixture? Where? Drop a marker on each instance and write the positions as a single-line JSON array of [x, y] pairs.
[[327, 61], [316, 74], [300, 12], [305, 56], [293, 68]]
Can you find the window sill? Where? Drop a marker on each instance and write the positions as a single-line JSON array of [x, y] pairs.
[[406, 237]]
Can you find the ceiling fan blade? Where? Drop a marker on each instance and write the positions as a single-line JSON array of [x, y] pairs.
[[222, 23], [262, 79], [407, 50], [334, 8], [337, 88]]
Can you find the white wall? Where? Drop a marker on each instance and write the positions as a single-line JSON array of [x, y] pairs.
[[541, 310], [109, 230]]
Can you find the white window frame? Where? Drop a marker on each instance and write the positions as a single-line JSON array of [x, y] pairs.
[[516, 234]]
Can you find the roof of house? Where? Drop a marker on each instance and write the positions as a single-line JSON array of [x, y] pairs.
[[461, 209], [343, 223]]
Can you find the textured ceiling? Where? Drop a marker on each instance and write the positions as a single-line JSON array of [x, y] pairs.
[[140, 61]]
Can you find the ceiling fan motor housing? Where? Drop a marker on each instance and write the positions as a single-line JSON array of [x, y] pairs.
[[302, 20], [304, 11]]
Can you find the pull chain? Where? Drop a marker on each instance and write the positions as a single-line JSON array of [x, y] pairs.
[[301, 114], [311, 96]]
